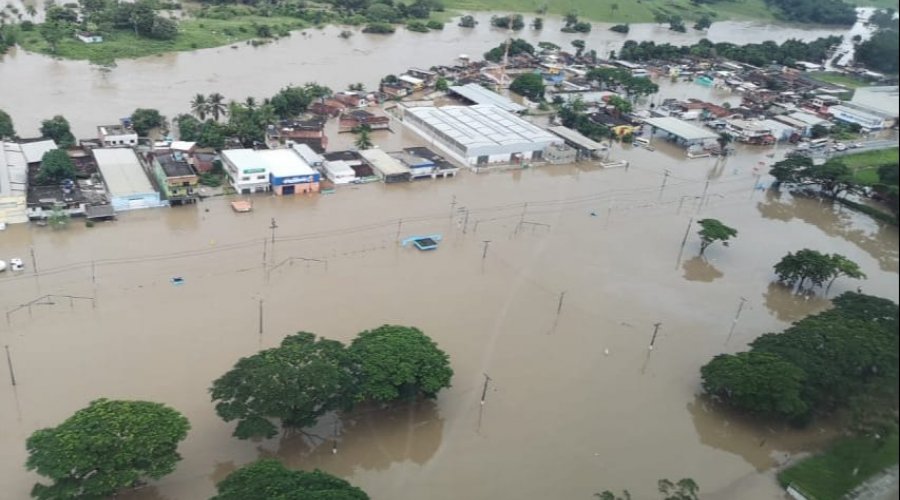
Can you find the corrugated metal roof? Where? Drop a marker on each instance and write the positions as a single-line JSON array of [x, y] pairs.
[[576, 137], [122, 172], [284, 163], [480, 95], [34, 151], [681, 128], [480, 125], [384, 162]]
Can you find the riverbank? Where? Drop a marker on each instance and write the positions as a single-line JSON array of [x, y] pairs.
[[193, 34]]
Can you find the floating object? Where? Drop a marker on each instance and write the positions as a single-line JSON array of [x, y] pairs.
[[177, 280], [593, 214], [423, 242], [606, 352], [2, 266], [16, 264], [241, 206]]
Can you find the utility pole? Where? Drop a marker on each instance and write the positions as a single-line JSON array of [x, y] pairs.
[[33, 261], [484, 253], [653, 338], [399, 227], [12, 373], [452, 207], [273, 226], [260, 319], [466, 222], [484, 389], [736, 317], [665, 179], [522, 217], [559, 306], [703, 196], [93, 273]]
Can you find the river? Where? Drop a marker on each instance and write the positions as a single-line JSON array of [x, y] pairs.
[[576, 404], [34, 87]]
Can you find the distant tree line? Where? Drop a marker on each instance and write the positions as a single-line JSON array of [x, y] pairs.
[[757, 54], [881, 52], [816, 11]]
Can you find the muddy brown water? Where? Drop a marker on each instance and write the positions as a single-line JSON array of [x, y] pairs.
[[576, 404], [34, 87]]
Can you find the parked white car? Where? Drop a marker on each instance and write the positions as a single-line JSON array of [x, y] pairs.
[[16, 264]]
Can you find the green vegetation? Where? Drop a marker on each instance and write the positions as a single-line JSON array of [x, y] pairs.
[[865, 165], [192, 34], [757, 54], [843, 358], [305, 378], [846, 464], [712, 230], [7, 130], [516, 46], [833, 177], [881, 51], [57, 128], [269, 479], [683, 489], [842, 79], [530, 85], [55, 167], [105, 447], [818, 268], [143, 120]]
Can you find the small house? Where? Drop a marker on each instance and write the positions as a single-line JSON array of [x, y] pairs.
[[113, 136], [175, 176], [356, 118], [88, 37]]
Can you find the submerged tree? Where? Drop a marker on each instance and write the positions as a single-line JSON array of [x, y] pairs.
[[269, 479], [530, 85], [684, 489], [711, 231], [55, 167], [363, 137], [57, 128], [818, 268], [759, 382], [105, 447], [200, 106], [295, 383]]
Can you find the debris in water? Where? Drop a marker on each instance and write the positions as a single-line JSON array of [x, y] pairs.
[[177, 280]]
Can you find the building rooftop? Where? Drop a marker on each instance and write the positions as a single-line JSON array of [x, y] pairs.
[[13, 170], [182, 145], [114, 130], [307, 153], [681, 128], [284, 163], [339, 167], [576, 137], [411, 160], [122, 171], [174, 164], [480, 125], [885, 100], [384, 162], [243, 158], [480, 95], [34, 151]]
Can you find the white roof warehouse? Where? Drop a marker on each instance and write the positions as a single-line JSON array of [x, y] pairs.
[[479, 135], [125, 179]]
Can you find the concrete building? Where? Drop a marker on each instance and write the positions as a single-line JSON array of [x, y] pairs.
[[880, 100], [480, 135], [584, 147], [288, 173], [13, 184], [387, 168], [749, 131], [112, 136], [175, 176], [127, 182], [311, 158], [339, 172], [247, 172], [862, 116], [680, 131]]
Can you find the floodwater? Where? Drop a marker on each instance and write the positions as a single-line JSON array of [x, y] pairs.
[[576, 403], [34, 87]]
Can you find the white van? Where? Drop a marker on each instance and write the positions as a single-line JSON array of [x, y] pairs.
[[641, 141]]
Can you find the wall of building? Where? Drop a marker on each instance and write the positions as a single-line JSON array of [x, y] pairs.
[[137, 202]]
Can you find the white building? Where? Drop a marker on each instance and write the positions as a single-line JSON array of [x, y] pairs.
[[13, 184], [480, 135], [386, 167], [127, 182], [864, 117], [339, 172], [112, 136], [247, 172], [748, 131], [312, 158]]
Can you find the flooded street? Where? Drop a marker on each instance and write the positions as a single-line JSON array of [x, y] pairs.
[[89, 96], [576, 404]]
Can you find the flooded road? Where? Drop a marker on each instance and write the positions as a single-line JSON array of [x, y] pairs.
[[576, 404], [89, 96]]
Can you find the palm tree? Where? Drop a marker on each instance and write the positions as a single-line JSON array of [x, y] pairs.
[[217, 107], [30, 10], [200, 106], [363, 141], [724, 139], [250, 102]]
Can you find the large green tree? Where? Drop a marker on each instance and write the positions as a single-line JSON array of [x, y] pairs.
[[57, 128], [55, 166], [833, 177], [761, 383], [530, 85], [817, 267], [683, 489], [268, 479], [713, 230], [394, 362], [105, 447], [295, 383], [6, 125], [143, 120]]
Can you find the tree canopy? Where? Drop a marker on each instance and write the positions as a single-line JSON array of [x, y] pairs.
[[530, 85], [516, 46], [711, 231], [57, 128], [105, 447], [394, 362], [880, 52], [683, 489], [820, 364], [833, 177], [268, 479], [6, 125], [55, 166], [295, 383], [819, 268], [145, 119]]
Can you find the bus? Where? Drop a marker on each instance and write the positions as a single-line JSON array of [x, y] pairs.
[[819, 143]]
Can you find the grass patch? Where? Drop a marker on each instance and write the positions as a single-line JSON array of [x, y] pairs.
[[830, 475], [849, 81], [628, 11], [193, 34], [865, 165]]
